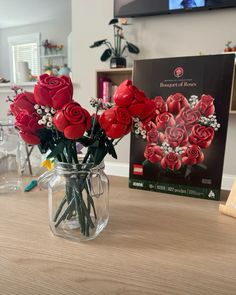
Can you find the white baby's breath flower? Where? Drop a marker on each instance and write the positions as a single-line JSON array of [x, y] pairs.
[[36, 106], [49, 124], [53, 111], [39, 111]]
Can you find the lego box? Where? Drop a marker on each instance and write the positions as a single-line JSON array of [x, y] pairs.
[[181, 151]]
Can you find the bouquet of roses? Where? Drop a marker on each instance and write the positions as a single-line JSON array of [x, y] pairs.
[[179, 132], [51, 119]]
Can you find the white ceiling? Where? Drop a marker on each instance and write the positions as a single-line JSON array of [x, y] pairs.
[[24, 12]]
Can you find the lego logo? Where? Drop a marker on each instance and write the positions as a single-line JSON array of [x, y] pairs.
[[137, 169]]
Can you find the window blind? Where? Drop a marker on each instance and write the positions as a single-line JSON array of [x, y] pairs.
[[24, 52], [28, 53]]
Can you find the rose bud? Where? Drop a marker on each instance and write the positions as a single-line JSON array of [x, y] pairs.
[[176, 136], [126, 94], [201, 135], [154, 136], [72, 120], [28, 125], [188, 117], [23, 101], [161, 106], [116, 122], [192, 155], [171, 161], [153, 153], [165, 120], [206, 105], [53, 91], [176, 102]]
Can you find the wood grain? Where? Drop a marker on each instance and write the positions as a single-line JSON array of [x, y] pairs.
[[154, 244]]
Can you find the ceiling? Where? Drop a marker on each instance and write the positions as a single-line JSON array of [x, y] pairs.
[[24, 12]]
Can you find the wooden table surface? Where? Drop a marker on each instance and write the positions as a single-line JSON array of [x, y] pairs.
[[154, 244]]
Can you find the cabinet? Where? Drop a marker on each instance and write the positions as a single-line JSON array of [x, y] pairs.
[[114, 77]]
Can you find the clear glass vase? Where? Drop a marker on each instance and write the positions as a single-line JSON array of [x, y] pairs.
[[78, 201], [10, 180]]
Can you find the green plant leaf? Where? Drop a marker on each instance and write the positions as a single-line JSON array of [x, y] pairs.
[[106, 54], [113, 21], [57, 150], [132, 48], [111, 150], [97, 43], [86, 141]]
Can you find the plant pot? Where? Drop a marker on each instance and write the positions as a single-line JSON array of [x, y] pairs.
[[117, 62]]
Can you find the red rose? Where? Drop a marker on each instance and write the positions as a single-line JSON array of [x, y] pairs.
[[23, 101], [201, 136], [28, 125], [192, 155], [72, 120], [206, 105], [145, 110], [176, 136], [161, 106], [116, 122], [126, 93], [153, 153], [176, 102], [165, 120], [171, 161], [188, 117], [149, 125], [53, 91], [130, 97], [154, 136]]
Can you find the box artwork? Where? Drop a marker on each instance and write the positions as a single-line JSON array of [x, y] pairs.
[[181, 151]]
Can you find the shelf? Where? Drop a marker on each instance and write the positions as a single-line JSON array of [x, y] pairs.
[[115, 76], [53, 56]]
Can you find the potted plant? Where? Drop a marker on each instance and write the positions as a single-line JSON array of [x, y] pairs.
[[116, 51]]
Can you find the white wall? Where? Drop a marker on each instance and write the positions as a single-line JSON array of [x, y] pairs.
[[55, 31], [157, 36]]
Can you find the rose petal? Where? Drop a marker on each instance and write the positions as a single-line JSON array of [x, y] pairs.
[[74, 132], [42, 96], [62, 97], [60, 121], [29, 138]]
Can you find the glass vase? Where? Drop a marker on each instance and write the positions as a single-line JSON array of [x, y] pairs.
[[9, 168], [78, 201]]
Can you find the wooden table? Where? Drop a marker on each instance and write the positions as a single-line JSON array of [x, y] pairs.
[[154, 244]]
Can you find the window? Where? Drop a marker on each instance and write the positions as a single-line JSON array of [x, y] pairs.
[[24, 56]]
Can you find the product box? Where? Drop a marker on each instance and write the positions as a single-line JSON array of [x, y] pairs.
[[182, 150]]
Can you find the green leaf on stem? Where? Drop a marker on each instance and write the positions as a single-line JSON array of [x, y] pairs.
[[97, 43], [111, 150], [57, 150], [106, 54], [132, 48], [113, 21], [86, 141]]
